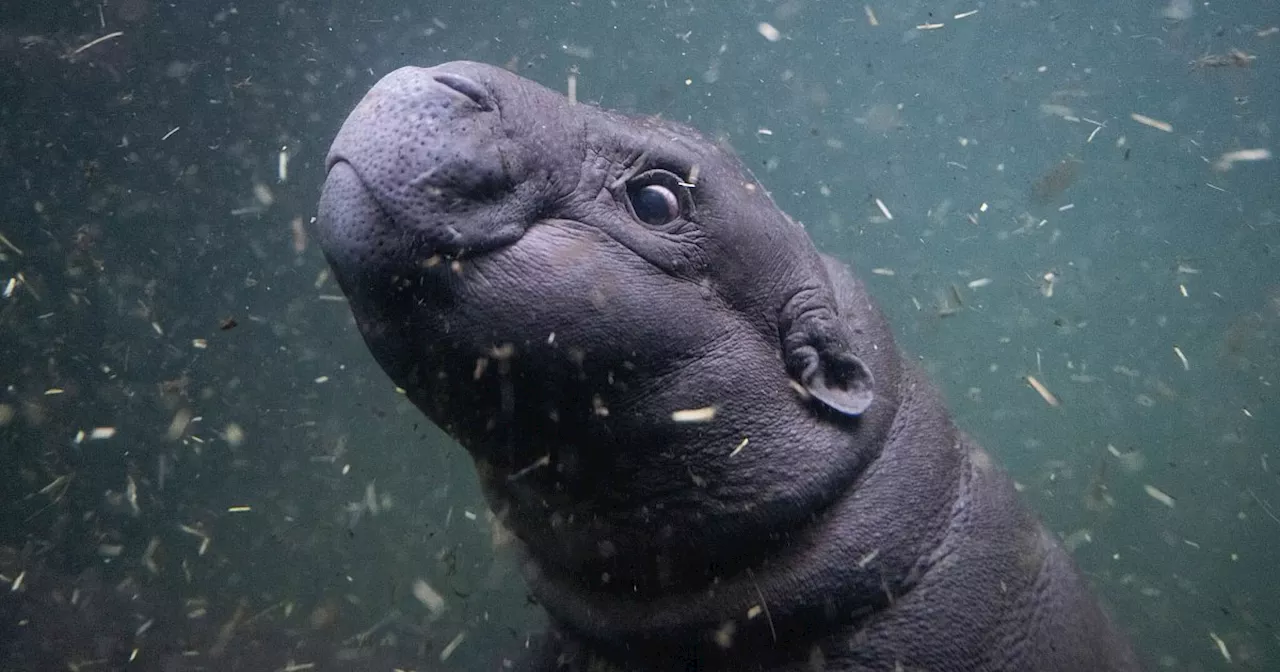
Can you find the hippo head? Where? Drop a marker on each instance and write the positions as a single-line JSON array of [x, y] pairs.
[[641, 352]]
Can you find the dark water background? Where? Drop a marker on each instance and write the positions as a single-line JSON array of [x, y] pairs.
[[139, 178]]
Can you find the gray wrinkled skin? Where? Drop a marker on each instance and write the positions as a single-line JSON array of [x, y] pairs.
[[486, 233]]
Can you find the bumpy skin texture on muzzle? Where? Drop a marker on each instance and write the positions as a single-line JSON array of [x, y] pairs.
[[554, 284]]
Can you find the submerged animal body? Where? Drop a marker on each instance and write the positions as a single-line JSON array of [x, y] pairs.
[[698, 427]]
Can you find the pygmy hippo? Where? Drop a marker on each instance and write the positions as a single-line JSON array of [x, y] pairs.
[[697, 426]]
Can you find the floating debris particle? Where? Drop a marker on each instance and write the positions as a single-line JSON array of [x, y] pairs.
[[1234, 58], [228, 324], [299, 234], [282, 165], [1186, 366], [54, 484], [724, 634], [884, 271], [168, 135], [178, 425], [322, 380], [1058, 110], [1043, 391], [929, 26], [429, 597], [1153, 123], [867, 558], [705, 414], [1228, 159], [1048, 281], [692, 180], [980, 282], [539, 463], [769, 32], [196, 532], [53, 390], [1266, 509], [101, 433], [452, 646], [884, 210], [5, 241], [572, 92], [1222, 646], [1077, 539], [965, 15], [1158, 495], [944, 307], [1131, 461], [371, 498], [148, 556], [239, 509], [227, 631], [262, 193], [871, 15], [131, 493], [740, 446], [100, 40], [578, 51], [233, 434], [199, 343], [17, 582]]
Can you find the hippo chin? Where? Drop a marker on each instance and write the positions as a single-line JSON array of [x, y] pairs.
[[698, 427]]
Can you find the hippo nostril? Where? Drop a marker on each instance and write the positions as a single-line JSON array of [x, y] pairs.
[[467, 87]]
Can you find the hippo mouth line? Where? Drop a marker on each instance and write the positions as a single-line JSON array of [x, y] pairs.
[[432, 236]]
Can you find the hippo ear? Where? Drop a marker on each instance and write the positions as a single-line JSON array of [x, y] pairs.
[[840, 380], [818, 356]]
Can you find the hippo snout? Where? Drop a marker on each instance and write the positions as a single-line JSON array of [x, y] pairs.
[[421, 168]]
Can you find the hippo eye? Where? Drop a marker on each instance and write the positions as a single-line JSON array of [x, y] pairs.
[[654, 204]]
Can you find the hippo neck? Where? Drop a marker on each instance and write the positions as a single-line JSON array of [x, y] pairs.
[[634, 502], [870, 547]]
